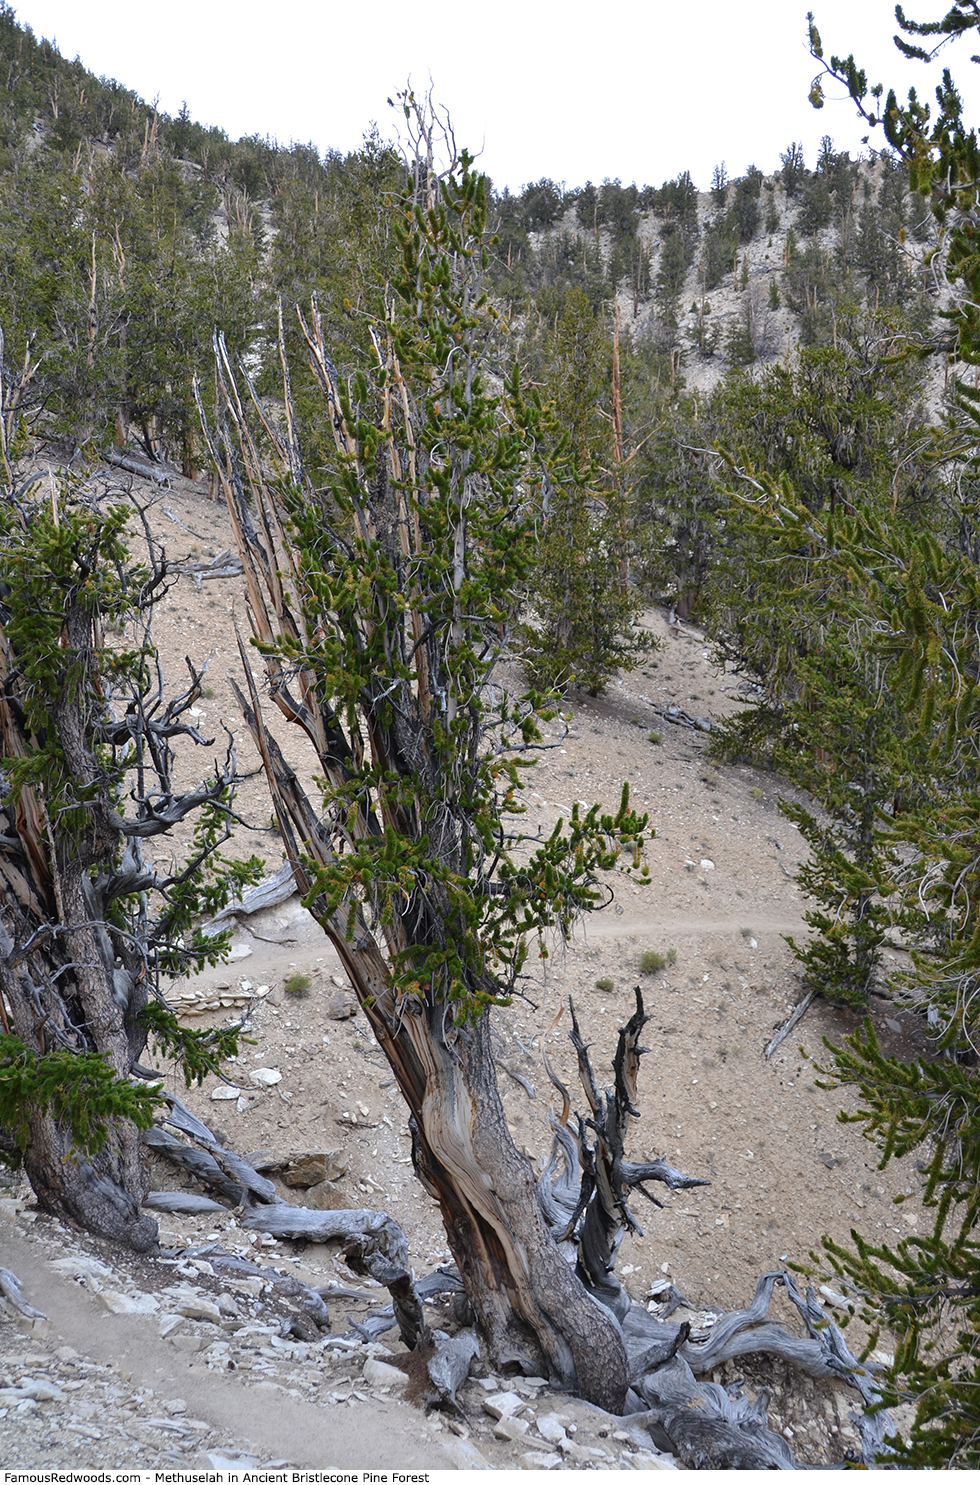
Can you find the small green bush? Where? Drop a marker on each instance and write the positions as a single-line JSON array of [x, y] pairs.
[[605, 983], [652, 962], [756, 793], [655, 737], [297, 984]]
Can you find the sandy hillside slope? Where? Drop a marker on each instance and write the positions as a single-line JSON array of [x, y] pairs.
[[782, 1169]]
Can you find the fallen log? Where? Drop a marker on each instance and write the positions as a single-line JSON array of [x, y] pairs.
[[159, 476], [197, 1163], [372, 1243], [680, 717], [270, 892], [186, 1202], [224, 565], [181, 1118], [783, 1031]]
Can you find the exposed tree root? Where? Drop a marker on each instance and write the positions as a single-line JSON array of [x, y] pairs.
[[14, 1295], [705, 1426], [372, 1242], [583, 1195]]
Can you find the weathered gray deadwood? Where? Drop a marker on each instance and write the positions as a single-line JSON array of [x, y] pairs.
[[741, 1332], [595, 1217], [187, 1202], [442, 1281], [704, 1425], [181, 1118], [158, 474], [873, 1422], [584, 1194], [12, 1292], [197, 1163], [270, 892], [224, 565], [373, 1243], [823, 1353], [313, 1315], [658, 1344], [449, 1366], [681, 718], [792, 1020]]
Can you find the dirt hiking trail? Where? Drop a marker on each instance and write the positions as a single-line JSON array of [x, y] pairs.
[[718, 902]]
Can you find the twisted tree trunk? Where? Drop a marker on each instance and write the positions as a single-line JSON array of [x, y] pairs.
[[85, 924], [529, 1305]]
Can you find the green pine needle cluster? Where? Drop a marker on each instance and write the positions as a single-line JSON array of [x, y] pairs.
[[80, 1089]]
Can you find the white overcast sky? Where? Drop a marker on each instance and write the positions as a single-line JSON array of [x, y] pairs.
[[638, 90]]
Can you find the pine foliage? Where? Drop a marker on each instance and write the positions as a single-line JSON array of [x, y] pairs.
[[89, 930]]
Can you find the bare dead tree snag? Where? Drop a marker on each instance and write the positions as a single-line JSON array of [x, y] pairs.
[[585, 1192], [608, 1178]]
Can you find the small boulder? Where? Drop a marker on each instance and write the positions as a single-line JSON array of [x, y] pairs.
[[41, 1390], [503, 1404], [551, 1428], [199, 1309], [189, 1344], [380, 1374], [510, 1428], [128, 1304], [308, 1170], [341, 1005], [326, 1196], [464, 1455], [265, 1077]]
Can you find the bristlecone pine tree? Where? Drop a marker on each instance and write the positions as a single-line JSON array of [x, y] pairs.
[[917, 594], [87, 927], [382, 600], [585, 608]]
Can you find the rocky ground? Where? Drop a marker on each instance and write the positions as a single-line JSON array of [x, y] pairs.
[[144, 1362], [312, 1082]]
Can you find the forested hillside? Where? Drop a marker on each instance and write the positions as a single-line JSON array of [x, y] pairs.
[[661, 322], [753, 404], [131, 235]]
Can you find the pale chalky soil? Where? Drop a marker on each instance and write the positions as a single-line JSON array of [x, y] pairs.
[[783, 1171]]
